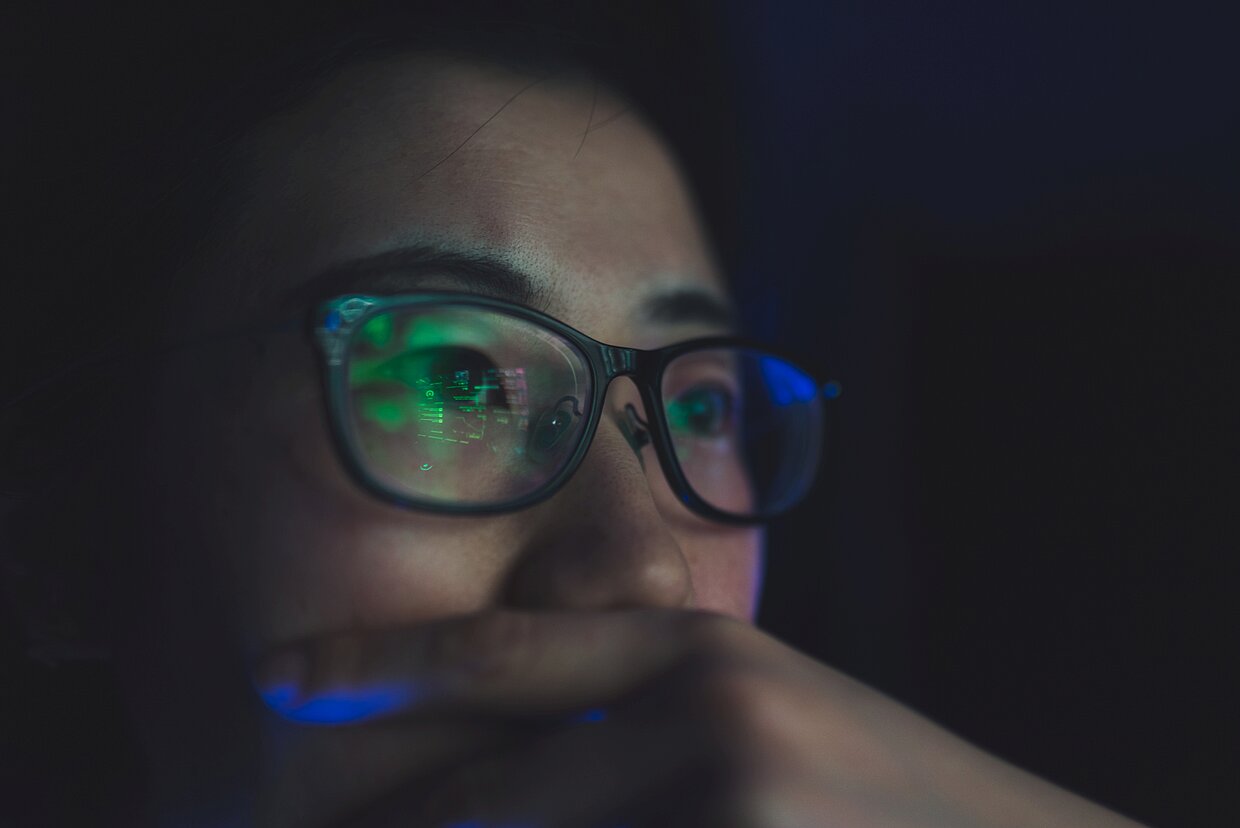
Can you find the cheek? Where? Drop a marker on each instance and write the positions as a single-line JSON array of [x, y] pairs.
[[324, 555], [300, 549], [727, 566], [311, 562]]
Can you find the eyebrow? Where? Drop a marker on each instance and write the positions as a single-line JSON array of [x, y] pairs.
[[413, 268], [408, 269], [687, 306]]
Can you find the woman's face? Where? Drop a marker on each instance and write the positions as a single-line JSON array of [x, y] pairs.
[[581, 211]]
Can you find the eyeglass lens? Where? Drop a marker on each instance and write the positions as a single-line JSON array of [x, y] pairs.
[[746, 428], [464, 406], [468, 406]]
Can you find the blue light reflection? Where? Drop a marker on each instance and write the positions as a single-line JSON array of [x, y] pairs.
[[339, 706], [786, 383]]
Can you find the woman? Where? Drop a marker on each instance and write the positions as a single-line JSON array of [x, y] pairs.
[[402, 542]]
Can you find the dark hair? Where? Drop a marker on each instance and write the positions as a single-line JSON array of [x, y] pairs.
[[133, 117]]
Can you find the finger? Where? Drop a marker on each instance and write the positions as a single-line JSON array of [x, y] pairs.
[[312, 775], [604, 773], [499, 662]]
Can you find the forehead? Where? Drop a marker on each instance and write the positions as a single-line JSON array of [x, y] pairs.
[[550, 174]]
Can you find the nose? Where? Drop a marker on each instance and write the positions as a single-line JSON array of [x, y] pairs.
[[602, 542]]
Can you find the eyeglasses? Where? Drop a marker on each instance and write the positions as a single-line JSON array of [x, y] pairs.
[[462, 404]]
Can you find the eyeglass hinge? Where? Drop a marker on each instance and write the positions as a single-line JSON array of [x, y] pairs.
[[333, 334]]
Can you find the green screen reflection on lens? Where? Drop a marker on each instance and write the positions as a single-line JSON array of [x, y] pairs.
[[388, 414], [378, 331], [452, 394], [431, 382], [463, 405]]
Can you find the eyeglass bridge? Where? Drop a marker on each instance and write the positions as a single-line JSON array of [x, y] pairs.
[[617, 360]]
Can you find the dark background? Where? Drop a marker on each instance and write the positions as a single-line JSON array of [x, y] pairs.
[[1012, 230]]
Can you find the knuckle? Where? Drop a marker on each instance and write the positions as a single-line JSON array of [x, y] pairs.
[[717, 667], [742, 714], [742, 797], [754, 805], [711, 634], [735, 698], [487, 645]]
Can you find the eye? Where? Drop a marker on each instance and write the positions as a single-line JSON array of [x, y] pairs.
[[703, 411], [552, 426]]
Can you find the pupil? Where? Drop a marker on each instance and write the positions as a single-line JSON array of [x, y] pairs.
[[552, 427], [700, 412], [703, 413]]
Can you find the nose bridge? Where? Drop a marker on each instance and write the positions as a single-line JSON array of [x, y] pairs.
[[602, 541]]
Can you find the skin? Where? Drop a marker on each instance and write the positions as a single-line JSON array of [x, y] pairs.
[[494, 632]]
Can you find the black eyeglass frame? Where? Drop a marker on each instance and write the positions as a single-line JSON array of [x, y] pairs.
[[338, 321]]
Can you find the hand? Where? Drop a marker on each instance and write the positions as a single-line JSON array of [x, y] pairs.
[[689, 719]]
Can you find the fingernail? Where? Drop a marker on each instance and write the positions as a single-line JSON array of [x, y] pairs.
[[280, 677]]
